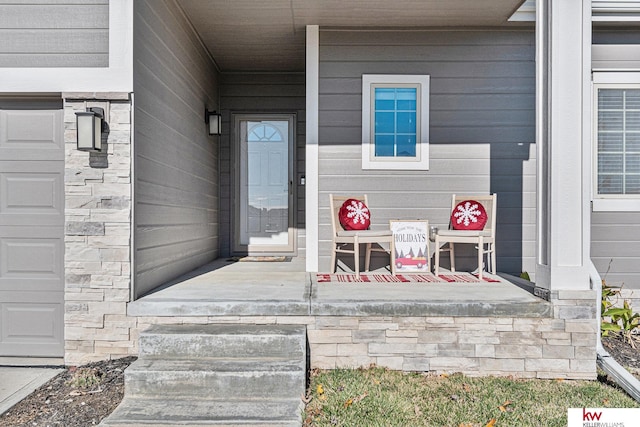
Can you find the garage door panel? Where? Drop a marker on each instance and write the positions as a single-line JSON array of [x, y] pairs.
[[31, 233], [31, 263], [31, 135], [31, 193], [31, 328]]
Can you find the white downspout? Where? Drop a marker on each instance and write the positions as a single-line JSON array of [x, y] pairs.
[[613, 369]]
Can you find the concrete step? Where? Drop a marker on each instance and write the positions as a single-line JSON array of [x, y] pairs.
[[215, 378], [215, 375], [222, 341], [181, 412]]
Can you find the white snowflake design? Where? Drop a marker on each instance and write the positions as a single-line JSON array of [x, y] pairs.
[[357, 212], [467, 213]]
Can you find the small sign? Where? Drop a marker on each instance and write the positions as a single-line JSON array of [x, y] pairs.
[[602, 417], [411, 245]]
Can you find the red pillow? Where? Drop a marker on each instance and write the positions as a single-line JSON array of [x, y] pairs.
[[354, 215], [468, 215]]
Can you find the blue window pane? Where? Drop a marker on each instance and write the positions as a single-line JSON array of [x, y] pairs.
[[385, 93], [406, 145], [406, 123], [385, 123], [407, 105], [385, 99], [406, 99], [395, 129], [384, 145], [406, 93]]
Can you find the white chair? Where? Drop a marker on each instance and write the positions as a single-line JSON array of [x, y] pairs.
[[485, 237], [342, 238]]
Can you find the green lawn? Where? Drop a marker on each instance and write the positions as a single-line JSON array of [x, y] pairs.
[[379, 397]]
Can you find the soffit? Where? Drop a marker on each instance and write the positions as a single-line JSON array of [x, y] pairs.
[[269, 35]]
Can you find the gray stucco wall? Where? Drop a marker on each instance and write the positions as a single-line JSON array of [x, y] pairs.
[[54, 33], [482, 130], [175, 160], [259, 93]]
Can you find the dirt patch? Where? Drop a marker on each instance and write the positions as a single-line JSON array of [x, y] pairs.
[[624, 353], [78, 397]]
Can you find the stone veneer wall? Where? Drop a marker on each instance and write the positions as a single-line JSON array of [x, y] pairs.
[[98, 235], [558, 347]]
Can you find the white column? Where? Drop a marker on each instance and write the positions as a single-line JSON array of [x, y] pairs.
[[564, 138], [311, 164]]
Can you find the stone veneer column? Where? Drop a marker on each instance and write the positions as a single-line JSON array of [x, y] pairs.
[[98, 234]]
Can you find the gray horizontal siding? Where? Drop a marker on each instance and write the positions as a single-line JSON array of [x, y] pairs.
[[617, 57], [615, 247], [54, 34], [482, 130], [615, 236], [176, 163], [259, 93]]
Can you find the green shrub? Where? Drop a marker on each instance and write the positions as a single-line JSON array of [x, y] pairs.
[[617, 319]]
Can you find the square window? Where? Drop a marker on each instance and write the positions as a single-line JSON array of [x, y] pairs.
[[616, 134], [395, 122]]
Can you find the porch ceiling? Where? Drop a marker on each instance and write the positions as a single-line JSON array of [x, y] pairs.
[[255, 35]]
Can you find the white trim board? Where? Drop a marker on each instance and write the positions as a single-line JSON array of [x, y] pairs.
[[311, 163]]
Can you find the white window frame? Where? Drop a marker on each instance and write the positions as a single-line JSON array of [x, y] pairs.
[[369, 159], [610, 202]]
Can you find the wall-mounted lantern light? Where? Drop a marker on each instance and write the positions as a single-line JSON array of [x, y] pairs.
[[214, 120], [90, 124]]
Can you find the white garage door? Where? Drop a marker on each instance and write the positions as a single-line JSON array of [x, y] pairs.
[[31, 233]]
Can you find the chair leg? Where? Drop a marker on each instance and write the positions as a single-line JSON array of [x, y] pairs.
[[493, 258], [392, 257], [367, 257], [333, 258], [480, 256], [452, 256], [437, 258], [356, 256]]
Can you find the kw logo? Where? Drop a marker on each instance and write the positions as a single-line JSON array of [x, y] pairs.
[[590, 416]]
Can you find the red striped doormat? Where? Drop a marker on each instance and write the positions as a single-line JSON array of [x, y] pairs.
[[403, 278]]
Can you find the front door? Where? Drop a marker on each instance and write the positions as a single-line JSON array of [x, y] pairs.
[[264, 185]]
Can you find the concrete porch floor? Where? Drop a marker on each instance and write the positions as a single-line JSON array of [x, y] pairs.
[[227, 288]]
